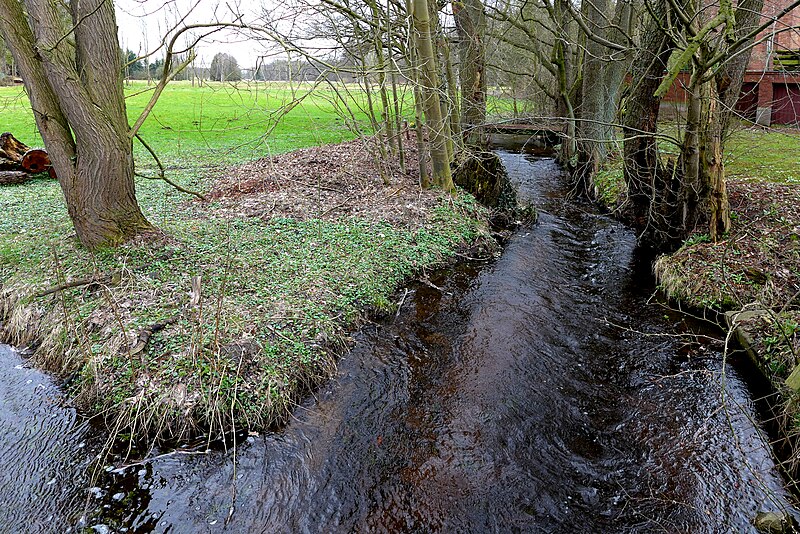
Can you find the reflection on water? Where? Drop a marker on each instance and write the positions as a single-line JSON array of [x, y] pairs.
[[533, 394]]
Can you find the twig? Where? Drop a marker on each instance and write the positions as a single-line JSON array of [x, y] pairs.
[[147, 332], [162, 175], [102, 279], [430, 284], [400, 304], [277, 333], [327, 211]]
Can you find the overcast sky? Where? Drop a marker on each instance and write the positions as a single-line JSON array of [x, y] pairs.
[[143, 24]]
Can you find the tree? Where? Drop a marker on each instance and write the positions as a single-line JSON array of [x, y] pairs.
[[470, 20], [429, 86], [225, 68], [607, 25], [671, 200], [71, 65]]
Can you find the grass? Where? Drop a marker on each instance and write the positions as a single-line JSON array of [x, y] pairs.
[[277, 297], [219, 122], [751, 154]]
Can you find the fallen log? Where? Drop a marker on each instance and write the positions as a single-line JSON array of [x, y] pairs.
[[14, 177], [8, 165], [12, 148], [18, 158]]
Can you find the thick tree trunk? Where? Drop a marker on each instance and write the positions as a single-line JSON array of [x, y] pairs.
[[704, 197], [75, 88], [603, 74], [589, 132], [712, 166], [442, 176], [470, 20], [652, 189]]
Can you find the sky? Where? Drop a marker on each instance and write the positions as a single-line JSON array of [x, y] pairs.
[[143, 24]]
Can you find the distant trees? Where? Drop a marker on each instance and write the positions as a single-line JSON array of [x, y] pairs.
[[132, 64], [225, 68]]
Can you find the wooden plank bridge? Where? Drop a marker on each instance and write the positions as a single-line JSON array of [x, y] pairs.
[[523, 135]]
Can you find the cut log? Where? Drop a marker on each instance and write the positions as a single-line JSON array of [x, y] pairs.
[[12, 148], [17, 156], [14, 177], [35, 160], [8, 165]]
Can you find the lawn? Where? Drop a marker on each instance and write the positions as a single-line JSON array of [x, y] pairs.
[[243, 311], [216, 122]]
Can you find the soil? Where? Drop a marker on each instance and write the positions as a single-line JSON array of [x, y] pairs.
[[759, 262]]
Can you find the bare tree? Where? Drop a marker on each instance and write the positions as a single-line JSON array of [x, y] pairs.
[[429, 85], [470, 19], [71, 65]]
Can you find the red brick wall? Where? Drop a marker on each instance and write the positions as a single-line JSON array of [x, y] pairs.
[[782, 40]]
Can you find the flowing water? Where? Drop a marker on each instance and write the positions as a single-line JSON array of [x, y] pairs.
[[544, 392]]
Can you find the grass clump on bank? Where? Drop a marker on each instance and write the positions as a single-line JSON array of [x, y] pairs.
[[229, 314], [275, 302]]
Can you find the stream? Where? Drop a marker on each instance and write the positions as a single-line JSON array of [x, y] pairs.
[[547, 391]]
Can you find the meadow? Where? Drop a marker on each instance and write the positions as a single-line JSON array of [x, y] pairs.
[[217, 122]]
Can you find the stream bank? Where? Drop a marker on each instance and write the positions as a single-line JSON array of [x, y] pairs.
[[239, 305], [544, 391]]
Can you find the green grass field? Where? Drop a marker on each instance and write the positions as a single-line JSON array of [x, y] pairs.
[[216, 122]]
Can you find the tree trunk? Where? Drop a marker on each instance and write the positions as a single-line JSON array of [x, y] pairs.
[[563, 59], [711, 103], [589, 131], [603, 73], [651, 188], [712, 166], [470, 20], [75, 88], [422, 148], [442, 176]]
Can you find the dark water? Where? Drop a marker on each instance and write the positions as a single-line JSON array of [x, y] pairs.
[[541, 393]]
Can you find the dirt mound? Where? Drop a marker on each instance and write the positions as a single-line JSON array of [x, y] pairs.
[[327, 182]]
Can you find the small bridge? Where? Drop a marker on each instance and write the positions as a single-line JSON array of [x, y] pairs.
[[525, 136]]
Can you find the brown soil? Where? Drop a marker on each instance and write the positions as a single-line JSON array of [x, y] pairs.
[[327, 182]]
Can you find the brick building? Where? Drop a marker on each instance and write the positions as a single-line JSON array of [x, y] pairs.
[[771, 88]]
